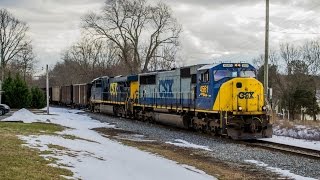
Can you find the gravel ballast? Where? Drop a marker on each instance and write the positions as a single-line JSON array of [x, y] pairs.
[[222, 149]]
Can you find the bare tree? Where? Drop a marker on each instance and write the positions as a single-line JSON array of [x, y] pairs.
[[273, 59], [137, 29], [311, 56], [289, 53], [85, 60], [12, 34], [25, 60], [164, 58]]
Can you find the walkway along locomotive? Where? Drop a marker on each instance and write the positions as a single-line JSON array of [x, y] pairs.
[[223, 99]]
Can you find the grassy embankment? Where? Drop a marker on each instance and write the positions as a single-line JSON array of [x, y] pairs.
[[21, 162]]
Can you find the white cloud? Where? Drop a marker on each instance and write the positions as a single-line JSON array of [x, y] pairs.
[[223, 30]]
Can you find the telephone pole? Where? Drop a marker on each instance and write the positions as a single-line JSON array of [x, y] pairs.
[[47, 87], [266, 53]]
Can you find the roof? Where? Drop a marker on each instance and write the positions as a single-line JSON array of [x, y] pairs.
[[98, 78], [205, 67]]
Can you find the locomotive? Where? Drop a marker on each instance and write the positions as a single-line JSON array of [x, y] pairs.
[[223, 99]]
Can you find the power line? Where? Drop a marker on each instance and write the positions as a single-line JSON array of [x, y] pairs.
[[311, 33]]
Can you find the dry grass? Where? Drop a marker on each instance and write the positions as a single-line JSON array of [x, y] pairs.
[[72, 137], [53, 146], [20, 162]]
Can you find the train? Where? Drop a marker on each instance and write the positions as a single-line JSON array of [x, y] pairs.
[[75, 95], [222, 99]]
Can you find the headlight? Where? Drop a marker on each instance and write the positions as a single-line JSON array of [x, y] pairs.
[[240, 108], [264, 108]]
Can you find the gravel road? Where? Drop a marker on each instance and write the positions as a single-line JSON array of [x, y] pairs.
[[222, 149]]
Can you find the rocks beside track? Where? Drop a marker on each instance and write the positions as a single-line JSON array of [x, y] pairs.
[[222, 149]]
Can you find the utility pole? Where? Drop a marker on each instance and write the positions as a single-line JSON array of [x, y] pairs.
[[266, 53], [47, 88], [0, 91]]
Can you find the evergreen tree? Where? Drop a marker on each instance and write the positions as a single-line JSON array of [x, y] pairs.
[[22, 94], [38, 99], [16, 93], [8, 88]]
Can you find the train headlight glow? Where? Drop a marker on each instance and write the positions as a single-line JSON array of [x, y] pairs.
[[264, 108], [240, 108]]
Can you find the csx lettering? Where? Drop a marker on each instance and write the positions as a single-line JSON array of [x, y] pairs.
[[246, 95], [113, 88], [165, 88]]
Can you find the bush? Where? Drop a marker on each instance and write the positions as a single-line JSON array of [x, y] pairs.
[[16, 92], [18, 95], [8, 95], [38, 99]]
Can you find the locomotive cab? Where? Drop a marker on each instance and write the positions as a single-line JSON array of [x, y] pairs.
[[232, 91]]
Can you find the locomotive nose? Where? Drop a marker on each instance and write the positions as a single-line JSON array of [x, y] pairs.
[[248, 95], [241, 96]]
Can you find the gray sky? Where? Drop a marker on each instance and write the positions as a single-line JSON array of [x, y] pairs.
[[213, 30]]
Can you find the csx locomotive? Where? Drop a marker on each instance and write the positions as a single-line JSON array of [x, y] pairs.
[[223, 99]]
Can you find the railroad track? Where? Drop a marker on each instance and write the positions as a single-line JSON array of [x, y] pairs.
[[294, 150], [272, 146]]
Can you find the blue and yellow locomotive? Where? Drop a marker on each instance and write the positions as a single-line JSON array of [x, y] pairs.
[[223, 99]]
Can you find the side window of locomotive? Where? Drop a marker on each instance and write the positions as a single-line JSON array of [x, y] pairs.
[[204, 77], [98, 84], [194, 79], [220, 74], [248, 73]]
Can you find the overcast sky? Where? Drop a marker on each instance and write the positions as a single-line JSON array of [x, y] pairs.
[[213, 30]]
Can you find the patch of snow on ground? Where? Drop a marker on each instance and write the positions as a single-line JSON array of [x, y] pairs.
[[297, 131], [100, 157], [24, 115], [285, 173], [62, 110], [294, 142], [183, 143]]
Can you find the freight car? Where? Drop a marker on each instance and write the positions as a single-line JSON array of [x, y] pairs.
[[66, 95], [223, 99], [81, 95], [55, 95]]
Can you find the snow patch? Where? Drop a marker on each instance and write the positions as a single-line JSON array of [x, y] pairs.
[[297, 131], [24, 115], [315, 145], [285, 173], [100, 157], [183, 143]]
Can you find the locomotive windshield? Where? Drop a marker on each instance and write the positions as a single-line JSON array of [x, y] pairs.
[[220, 74], [248, 73]]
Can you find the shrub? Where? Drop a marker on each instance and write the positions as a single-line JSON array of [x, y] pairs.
[[18, 95], [21, 92], [38, 99]]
